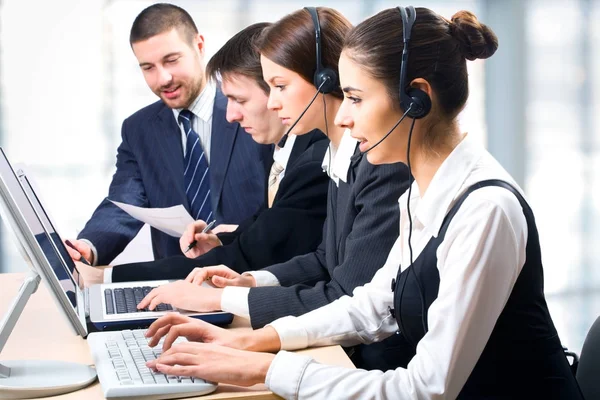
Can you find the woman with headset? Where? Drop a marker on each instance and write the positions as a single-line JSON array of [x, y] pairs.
[[463, 283], [299, 57]]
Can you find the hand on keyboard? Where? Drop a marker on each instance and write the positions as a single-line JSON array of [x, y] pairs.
[[214, 363], [185, 296], [174, 325]]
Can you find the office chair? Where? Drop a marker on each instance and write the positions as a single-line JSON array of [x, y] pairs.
[[588, 370]]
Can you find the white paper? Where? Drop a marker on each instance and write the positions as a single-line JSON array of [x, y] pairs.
[[171, 220]]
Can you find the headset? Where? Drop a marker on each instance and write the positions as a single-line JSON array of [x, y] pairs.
[[415, 102], [325, 79]]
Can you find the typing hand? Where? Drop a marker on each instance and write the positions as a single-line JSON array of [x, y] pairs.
[[174, 325], [82, 249], [220, 276], [214, 363], [183, 295], [205, 241]]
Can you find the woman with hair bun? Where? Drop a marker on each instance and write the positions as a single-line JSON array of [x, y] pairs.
[[465, 274]]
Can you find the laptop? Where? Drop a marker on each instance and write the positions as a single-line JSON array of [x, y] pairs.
[[111, 306], [119, 356]]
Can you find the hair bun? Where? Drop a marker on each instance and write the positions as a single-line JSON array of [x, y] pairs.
[[476, 39]]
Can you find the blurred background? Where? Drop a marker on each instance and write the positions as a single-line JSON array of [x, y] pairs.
[[68, 78]]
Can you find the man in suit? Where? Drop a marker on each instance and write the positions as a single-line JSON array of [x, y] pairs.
[[179, 150], [291, 221]]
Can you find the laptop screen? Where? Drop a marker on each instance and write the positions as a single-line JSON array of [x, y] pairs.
[[63, 254], [46, 239]]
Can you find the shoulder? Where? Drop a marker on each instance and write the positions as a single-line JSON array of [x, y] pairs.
[[147, 113], [392, 176]]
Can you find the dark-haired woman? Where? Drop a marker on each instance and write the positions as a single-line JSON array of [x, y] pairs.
[[476, 316]]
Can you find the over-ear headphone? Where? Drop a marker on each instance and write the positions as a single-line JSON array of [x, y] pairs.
[[418, 101], [325, 79]]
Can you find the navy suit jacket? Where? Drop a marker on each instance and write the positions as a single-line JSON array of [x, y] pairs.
[[150, 174]]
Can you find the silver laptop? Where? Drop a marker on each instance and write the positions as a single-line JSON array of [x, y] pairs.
[[111, 306]]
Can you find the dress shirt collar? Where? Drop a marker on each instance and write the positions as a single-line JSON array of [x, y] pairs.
[[431, 209], [203, 106], [281, 155], [340, 158]]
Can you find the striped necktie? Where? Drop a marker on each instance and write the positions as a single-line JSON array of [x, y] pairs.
[[195, 173], [276, 170]]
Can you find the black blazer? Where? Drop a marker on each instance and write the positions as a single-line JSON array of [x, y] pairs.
[[363, 222], [150, 174], [292, 226]]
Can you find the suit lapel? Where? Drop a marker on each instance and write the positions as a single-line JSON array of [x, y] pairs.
[[302, 143], [169, 139], [223, 136]]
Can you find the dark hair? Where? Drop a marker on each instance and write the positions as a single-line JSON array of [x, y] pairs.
[[160, 18], [290, 42], [239, 55], [438, 52]]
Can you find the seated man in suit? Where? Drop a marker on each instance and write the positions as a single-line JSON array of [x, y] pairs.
[[179, 150], [292, 220]]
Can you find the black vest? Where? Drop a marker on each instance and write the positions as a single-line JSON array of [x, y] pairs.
[[523, 357]]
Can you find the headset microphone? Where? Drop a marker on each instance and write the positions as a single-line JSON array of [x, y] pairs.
[[391, 130], [285, 135]]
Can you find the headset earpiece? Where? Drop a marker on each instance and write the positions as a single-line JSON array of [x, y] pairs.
[[325, 79], [418, 101], [420, 104]]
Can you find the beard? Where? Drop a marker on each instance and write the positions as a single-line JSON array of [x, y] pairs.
[[188, 92]]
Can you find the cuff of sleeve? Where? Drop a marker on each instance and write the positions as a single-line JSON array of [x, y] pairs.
[[285, 374], [94, 251], [234, 299], [263, 278], [291, 333], [108, 275]]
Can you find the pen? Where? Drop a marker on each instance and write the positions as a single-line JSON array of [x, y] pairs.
[[206, 229], [82, 258]]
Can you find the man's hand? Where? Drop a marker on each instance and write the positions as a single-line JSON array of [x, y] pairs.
[[90, 275], [82, 249], [205, 241], [220, 276], [185, 296]]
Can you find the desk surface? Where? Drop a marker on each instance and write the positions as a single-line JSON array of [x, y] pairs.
[[42, 333]]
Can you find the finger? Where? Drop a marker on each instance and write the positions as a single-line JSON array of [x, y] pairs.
[[155, 339], [221, 282], [200, 278], [146, 300], [191, 275], [158, 299], [188, 330], [176, 370], [74, 254], [169, 319]]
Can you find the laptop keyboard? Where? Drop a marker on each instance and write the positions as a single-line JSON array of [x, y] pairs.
[[125, 300], [120, 359]]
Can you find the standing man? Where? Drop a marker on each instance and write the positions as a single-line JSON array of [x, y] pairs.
[[179, 150]]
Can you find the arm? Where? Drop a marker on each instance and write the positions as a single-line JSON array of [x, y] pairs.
[[110, 229], [374, 230], [284, 230], [479, 264]]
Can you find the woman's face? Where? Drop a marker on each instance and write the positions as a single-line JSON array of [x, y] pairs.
[[290, 94], [367, 110]]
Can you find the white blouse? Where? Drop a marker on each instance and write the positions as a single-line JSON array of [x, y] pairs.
[[478, 262]]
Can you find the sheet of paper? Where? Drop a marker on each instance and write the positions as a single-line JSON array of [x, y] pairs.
[[171, 220]]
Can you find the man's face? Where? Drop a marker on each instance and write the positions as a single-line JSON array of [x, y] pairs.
[[247, 104], [172, 68]]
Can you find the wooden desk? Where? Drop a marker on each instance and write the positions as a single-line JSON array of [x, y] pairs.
[[42, 333]]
